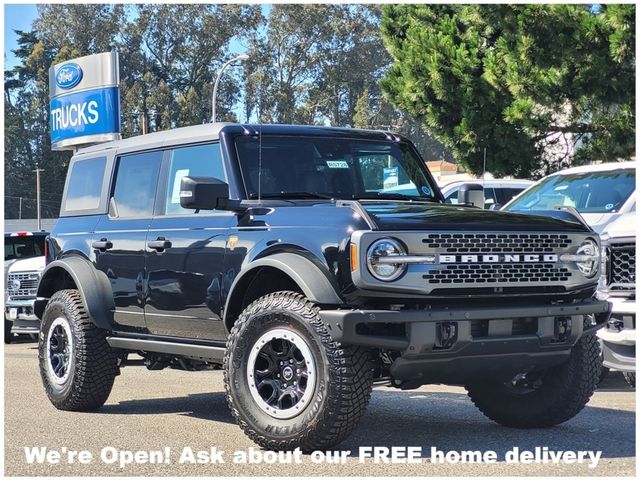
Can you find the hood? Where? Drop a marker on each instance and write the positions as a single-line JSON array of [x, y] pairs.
[[34, 264], [622, 226], [600, 222], [434, 216]]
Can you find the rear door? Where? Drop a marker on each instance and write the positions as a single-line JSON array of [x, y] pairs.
[[120, 238], [185, 251]]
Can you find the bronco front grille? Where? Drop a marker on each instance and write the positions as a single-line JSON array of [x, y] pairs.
[[497, 242], [24, 284], [495, 273], [621, 274]]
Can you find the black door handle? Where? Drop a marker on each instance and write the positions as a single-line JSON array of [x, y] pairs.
[[103, 245], [160, 244]]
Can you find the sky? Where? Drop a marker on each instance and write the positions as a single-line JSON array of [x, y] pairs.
[[16, 17], [21, 16]]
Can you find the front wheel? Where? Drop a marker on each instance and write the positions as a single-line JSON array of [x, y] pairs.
[[289, 385], [630, 377], [546, 397], [8, 336]]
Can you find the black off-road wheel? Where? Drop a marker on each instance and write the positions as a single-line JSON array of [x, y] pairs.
[[77, 365], [288, 384], [8, 336], [542, 398], [630, 377]]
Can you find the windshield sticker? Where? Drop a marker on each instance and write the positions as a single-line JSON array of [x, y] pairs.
[[337, 164], [390, 177], [609, 206], [175, 193]]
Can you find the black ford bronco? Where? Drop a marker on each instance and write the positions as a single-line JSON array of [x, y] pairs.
[[309, 263]]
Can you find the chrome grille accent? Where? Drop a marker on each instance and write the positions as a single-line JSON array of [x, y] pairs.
[[494, 273], [497, 242], [621, 274], [28, 284]]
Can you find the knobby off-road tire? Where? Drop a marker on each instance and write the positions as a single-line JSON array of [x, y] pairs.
[[340, 383], [8, 336], [630, 377], [77, 365], [557, 395]]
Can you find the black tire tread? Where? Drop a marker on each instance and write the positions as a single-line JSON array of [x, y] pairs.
[[573, 385], [96, 363], [8, 336], [630, 377], [351, 373]]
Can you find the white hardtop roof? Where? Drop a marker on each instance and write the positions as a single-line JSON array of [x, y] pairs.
[[600, 167], [192, 134]]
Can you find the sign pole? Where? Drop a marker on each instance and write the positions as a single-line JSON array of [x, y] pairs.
[[38, 170]]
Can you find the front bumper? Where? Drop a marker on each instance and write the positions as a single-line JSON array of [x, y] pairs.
[[21, 313], [619, 336], [455, 345]]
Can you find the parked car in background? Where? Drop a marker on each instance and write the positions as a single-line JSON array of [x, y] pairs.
[[24, 261], [497, 192], [604, 196]]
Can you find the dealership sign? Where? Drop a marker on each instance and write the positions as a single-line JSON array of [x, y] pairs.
[[85, 101]]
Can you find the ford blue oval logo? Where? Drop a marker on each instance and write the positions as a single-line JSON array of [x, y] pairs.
[[68, 75]]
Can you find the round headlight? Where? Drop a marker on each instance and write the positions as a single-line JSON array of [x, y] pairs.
[[588, 266], [384, 269]]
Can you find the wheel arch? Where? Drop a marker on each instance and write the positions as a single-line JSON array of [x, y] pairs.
[[78, 273], [280, 271]]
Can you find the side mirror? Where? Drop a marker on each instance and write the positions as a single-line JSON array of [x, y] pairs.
[[203, 193], [495, 206], [471, 194]]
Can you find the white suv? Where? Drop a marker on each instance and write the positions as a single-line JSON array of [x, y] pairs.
[[497, 192]]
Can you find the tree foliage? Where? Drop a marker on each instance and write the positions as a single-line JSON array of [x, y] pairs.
[[539, 86]]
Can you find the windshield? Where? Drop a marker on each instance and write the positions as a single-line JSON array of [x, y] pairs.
[[593, 192], [23, 247], [331, 167]]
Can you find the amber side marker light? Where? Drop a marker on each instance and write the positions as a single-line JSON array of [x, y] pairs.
[[354, 257]]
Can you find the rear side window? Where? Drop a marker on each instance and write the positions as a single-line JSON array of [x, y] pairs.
[[195, 161], [85, 179], [135, 184]]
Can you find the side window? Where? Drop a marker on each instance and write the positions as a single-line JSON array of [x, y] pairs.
[[195, 161], [85, 180], [452, 197], [509, 193], [135, 186], [489, 197]]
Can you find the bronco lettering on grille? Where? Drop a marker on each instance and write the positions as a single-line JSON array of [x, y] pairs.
[[500, 258]]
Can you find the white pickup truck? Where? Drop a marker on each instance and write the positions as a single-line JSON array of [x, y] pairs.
[[604, 196], [24, 262]]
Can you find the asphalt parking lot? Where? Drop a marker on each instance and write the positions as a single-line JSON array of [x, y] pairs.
[[153, 410]]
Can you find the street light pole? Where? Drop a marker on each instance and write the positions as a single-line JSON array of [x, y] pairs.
[[241, 58], [38, 170]]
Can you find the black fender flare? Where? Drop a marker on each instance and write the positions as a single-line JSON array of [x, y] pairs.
[[313, 282], [93, 285]]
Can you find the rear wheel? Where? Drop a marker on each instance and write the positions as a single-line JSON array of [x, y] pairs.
[[630, 377], [288, 383], [77, 365], [546, 397]]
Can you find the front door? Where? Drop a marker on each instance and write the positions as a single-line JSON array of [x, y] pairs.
[[119, 242], [185, 252]]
